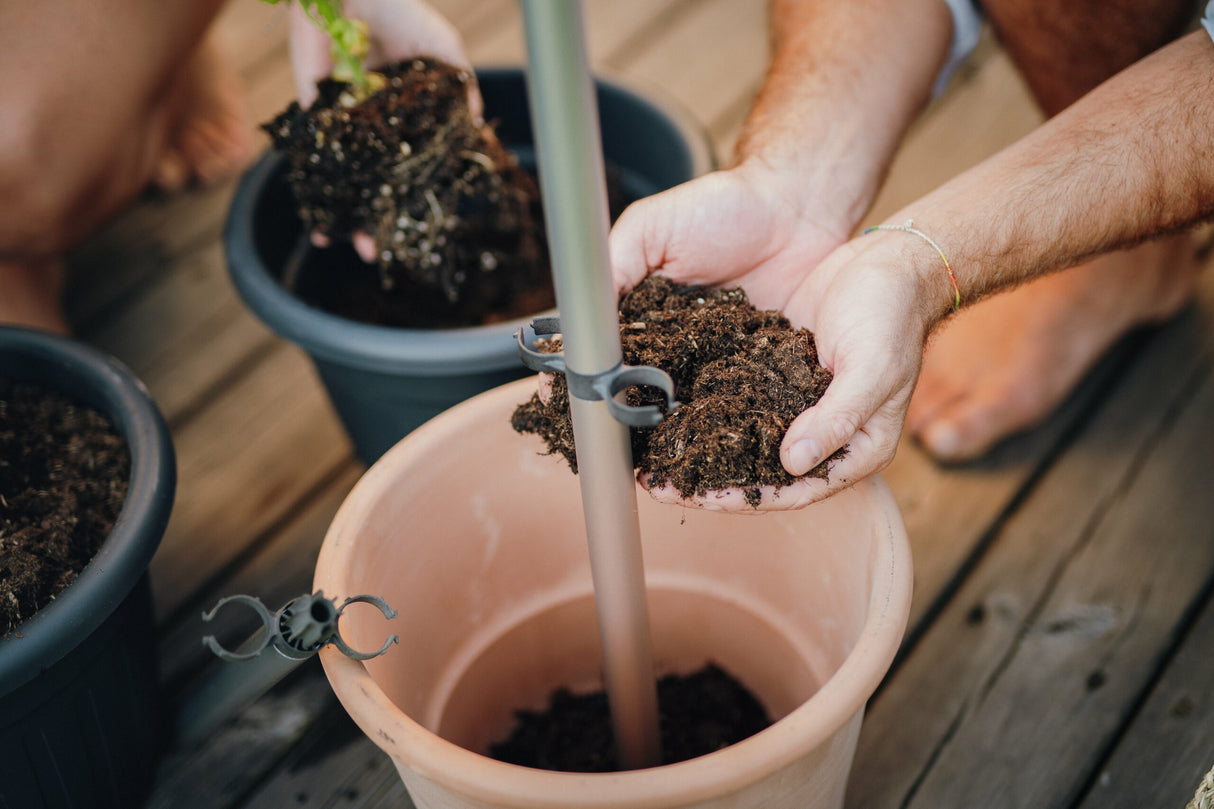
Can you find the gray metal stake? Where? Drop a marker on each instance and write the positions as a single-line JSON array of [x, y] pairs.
[[570, 156]]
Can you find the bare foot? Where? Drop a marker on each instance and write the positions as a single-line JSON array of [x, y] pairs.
[[209, 137], [29, 296], [1008, 362]]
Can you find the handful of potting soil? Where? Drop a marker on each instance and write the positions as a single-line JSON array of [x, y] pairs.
[[64, 472], [742, 375], [446, 204]]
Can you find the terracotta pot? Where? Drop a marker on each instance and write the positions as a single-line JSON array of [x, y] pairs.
[[80, 718], [385, 381], [479, 542]]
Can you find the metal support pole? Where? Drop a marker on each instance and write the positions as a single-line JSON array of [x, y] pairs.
[[564, 115]]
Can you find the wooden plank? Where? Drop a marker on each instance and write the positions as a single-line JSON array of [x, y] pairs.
[[221, 772], [336, 765], [243, 465], [277, 572], [610, 25], [1170, 746], [203, 332], [711, 84], [995, 706]]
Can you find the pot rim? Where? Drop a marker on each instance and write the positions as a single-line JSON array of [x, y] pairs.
[[838, 700], [109, 386], [392, 349]]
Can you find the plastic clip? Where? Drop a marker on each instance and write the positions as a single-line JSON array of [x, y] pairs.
[[299, 629], [602, 386]]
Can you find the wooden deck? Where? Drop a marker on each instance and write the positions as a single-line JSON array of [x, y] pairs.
[[1061, 646]]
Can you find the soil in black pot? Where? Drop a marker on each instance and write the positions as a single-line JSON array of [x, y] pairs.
[[741, 374], [699, 713], [455, 219], [64, 472]]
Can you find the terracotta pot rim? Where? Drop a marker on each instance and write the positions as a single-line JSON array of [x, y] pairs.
[[835, 703]]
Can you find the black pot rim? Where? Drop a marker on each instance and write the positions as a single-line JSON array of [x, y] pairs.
[[388, 349], [104, 383]]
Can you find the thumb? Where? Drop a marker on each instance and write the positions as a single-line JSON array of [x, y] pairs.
[[635, 244], [865, 419]]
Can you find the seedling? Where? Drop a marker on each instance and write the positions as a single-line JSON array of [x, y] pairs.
[[349, 44]]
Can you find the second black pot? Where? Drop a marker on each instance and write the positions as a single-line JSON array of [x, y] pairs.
[[386, 381]]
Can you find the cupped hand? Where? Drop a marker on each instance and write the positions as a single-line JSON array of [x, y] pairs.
[[868, 308], [399, 30]]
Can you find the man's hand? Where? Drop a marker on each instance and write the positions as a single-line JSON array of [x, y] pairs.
[[745, 227]]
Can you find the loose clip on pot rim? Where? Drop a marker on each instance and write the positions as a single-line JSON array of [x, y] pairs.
[[602, 386], [300, 628]]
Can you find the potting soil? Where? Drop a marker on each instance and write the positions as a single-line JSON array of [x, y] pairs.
[[741, 374], [455, 220], [699, 713], [64, 472]]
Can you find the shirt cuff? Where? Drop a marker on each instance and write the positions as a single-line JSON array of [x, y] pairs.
[[967, 25]]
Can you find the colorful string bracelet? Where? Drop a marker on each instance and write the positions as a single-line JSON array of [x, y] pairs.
[[909, 227]]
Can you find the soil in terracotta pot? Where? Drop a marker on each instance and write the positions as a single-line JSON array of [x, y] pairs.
[[699, 713], [741, 374], [64, 472], [456, 221]]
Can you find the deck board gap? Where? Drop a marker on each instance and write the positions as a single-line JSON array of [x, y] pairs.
[[258, 354], [1185, 627]]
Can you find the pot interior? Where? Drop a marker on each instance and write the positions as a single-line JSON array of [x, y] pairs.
[[479, 542], [557, 647]]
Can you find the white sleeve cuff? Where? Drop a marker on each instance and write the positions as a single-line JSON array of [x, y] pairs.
[[1207, 19], [967, 25]]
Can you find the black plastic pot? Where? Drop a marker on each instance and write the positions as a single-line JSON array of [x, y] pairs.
[[80, 718], [386, 381]]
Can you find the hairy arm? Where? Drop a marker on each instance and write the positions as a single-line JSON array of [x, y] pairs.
[[845, 81], [1132, 159]]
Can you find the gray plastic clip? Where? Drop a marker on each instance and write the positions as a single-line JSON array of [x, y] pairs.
[[602, 386], [299, 629]]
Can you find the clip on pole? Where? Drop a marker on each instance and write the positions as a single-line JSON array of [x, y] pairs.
[[603, 386]]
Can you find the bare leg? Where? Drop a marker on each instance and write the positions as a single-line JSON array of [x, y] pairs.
[[90, 104], [1007, 363]]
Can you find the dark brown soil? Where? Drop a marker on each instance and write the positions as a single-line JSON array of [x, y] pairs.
[[699, 713], [741, 374], [63, 477], [451, 211]]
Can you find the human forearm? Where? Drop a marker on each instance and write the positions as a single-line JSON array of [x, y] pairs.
[[846, 80], [1132, 159]]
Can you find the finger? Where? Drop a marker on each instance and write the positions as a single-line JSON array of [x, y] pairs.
[[311, 59], [634, 252], [364, 245], [320, 240]]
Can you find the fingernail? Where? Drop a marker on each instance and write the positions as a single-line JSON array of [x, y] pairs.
[[804, 456]]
